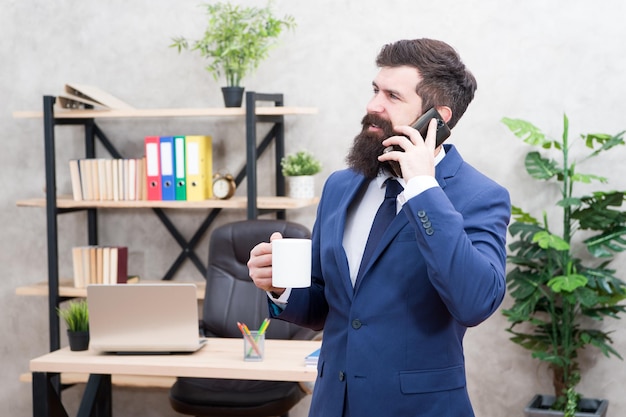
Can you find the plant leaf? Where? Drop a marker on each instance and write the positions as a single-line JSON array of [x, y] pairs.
[[605, 244], [567, 283], [548, 240], [528, 132], [569, 202], [587, 178], [539, 167], [606, 141], [520, 215]]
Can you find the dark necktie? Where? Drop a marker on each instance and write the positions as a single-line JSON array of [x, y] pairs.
[[384, 216]]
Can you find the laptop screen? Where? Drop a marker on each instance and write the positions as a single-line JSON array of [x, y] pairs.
[[143, 317]]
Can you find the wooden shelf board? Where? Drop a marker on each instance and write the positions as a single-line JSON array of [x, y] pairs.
[[67, 289], [133, 381], [151, 113], [264, 203]]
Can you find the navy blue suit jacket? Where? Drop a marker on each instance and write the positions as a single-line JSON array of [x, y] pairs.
[[394, 341]]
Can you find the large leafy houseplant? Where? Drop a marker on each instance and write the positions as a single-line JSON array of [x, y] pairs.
[[236, 39], [561, 275]]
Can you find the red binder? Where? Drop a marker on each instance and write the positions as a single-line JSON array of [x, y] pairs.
[[153, 167]]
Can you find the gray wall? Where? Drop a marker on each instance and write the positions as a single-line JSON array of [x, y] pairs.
[[533, 59]]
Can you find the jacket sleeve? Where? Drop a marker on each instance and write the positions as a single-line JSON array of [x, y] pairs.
[[464, 247]]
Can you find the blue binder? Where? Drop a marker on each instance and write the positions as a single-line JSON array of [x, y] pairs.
[[168, 183]]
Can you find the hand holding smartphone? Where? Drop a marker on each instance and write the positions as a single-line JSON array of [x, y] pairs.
[[421, 125]]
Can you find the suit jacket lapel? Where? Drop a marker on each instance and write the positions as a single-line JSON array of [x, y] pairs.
[[353, 189], [447, 168]]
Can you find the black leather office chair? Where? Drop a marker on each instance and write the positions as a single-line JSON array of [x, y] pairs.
[[232, 297]]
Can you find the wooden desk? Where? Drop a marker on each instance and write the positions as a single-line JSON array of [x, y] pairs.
[[220, 358]]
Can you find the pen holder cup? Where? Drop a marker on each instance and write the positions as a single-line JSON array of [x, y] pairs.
[[253, 347]]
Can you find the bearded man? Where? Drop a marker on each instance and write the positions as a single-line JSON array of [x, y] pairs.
[[395, 298]]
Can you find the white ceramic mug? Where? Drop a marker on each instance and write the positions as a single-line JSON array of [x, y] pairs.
[[291, 263]]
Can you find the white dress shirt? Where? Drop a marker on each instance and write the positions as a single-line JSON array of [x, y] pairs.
[[363, 212]]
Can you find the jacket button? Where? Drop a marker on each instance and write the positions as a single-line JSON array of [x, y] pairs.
[[421, 213], [427, 225], [430, 231], [342, 375], [356, 324]]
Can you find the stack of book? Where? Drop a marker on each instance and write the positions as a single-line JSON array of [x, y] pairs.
[[82, 96], [311, 359], [179, 167], [108, 179], [100, 265]]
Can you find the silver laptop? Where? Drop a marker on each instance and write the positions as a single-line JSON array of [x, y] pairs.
[[143, 318]]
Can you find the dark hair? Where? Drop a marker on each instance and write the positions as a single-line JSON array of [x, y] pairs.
[[445, 79]]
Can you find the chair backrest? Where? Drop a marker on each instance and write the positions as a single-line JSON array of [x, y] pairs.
[[231, 295]]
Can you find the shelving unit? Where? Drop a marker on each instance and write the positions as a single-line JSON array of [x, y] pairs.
[[68, 290], [58, 290], [262, 203]]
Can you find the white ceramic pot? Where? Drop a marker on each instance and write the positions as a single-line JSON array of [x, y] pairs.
[[302, 186]]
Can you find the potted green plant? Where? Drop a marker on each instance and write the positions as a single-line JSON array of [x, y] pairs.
[[235, 41], [76, 317], [299, 169], [561, 276]]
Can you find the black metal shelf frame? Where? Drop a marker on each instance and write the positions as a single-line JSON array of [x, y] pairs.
[[275, 135]]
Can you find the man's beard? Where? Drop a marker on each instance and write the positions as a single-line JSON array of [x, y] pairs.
[[367, 146]]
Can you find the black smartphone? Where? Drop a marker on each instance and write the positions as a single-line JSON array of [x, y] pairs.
[[421, 125]]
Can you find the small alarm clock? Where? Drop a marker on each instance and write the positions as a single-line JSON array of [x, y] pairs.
[[223, 186]]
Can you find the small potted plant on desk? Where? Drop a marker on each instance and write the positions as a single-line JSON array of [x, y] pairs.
[[561, 280], [299, 170], [76, 317], [235, 41]]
